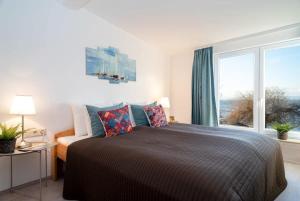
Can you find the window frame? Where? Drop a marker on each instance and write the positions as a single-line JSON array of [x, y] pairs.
[[263, 50], [259, 85], [217, 58]]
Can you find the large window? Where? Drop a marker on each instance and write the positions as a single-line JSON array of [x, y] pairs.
[[236, 89], [260, 86], [282, 85]]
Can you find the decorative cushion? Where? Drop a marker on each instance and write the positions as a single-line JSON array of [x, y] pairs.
[[96, 124], [156, 116], [139, 115], [116, 122]]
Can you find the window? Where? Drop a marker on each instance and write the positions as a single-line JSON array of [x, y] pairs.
[[236, 90], [260, 86], [282, 85]]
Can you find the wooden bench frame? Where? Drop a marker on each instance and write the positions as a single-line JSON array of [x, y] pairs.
[[59, 151]]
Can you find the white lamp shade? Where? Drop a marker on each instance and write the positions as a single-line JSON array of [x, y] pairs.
[[165, 102], [22, 105]]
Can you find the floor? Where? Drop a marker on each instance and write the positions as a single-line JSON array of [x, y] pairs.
[[54, 190], [292, 192]]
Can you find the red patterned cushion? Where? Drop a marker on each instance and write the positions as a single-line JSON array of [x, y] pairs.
[[156, 116], [116, 122]]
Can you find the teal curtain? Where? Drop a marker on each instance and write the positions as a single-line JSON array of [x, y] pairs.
[[204, 110]]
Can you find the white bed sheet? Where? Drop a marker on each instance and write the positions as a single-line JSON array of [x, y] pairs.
[[67, 140]]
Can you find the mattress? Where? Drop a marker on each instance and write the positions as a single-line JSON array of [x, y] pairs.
[[67, 140]]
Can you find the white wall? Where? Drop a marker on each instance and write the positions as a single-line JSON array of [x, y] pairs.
[[42, 53], [181, 83], [290, 152], [181, 66]]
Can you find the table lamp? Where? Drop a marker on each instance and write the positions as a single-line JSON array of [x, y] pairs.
[[165, 102], [23, 105]]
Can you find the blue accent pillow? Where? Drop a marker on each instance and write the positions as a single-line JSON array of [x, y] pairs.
[[96, 124], [139, 115]]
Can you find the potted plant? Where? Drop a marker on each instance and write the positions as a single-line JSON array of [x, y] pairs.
[[8, 137], [282, 130]]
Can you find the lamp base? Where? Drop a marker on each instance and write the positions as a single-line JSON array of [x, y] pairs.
[[24, 144]]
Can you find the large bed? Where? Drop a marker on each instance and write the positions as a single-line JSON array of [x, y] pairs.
[[178, 163]]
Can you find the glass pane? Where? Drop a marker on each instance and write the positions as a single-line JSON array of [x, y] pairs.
[[282, 86], [236, 90]]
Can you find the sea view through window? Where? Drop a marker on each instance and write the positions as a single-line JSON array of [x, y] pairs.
[[243, 83]]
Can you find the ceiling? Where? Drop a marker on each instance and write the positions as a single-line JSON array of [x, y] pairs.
[[175, 25]]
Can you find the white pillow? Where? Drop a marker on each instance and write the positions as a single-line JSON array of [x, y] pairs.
[[79, 119]]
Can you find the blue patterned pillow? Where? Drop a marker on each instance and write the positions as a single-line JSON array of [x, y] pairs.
[[97, 127], [139, 115], [116, 122]]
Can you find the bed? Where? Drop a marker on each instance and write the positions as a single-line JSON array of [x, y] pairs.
[[179, 163], [59, 152]]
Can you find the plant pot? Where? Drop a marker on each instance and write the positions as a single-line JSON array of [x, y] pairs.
[[7, 146], [282, 136]]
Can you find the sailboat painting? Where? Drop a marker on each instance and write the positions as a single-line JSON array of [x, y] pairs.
[[109, 64]]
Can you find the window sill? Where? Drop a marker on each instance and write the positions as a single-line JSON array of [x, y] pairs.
[[241, 128], [291, 139], [294, 141], [294, 137]]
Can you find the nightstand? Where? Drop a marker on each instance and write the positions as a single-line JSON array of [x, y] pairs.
[[37, 147]]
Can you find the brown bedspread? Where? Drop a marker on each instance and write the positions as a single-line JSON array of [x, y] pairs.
[[178, 163]]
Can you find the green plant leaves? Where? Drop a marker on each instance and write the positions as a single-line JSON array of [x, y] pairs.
[[9, 132], [282, 128]]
